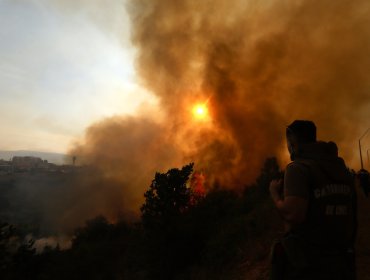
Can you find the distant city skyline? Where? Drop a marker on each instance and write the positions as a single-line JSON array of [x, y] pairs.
[[56, 158], [62, 68]]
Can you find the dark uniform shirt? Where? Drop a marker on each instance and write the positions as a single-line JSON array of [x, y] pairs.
[[316, 248]]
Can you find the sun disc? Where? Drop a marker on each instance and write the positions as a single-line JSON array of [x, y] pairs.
[[200, 111]]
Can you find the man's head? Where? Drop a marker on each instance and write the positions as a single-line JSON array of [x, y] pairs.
[[299, 132]]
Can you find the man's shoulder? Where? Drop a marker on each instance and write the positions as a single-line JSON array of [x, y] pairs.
[[296, 180], [298, 165]]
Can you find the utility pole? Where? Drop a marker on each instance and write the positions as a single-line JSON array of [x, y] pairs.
[[359, 146]]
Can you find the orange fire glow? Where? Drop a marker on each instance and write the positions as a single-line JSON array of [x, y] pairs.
[[197, 185]]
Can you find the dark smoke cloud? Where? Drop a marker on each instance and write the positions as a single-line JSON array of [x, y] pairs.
[[259, 65], [264, 64], [127, 151]]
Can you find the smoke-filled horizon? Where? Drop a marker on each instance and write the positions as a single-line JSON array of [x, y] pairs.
[[256, 66]]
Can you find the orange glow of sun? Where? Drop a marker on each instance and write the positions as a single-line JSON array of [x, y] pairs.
[[200, 111]]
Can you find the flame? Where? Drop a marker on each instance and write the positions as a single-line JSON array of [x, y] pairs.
[[197, 182], [197, 185]]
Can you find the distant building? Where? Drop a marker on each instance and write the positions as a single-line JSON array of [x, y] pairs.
[[29, 163], [33, 164], [5, 167]]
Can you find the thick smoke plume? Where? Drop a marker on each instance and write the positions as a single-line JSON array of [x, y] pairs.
[[258, 65]]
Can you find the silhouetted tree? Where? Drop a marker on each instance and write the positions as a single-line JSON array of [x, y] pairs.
[[164, 208], [168, 195], [6, 233], [16, 254]]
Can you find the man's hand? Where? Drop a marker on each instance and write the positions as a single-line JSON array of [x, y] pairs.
[[292, 208], [276, 188]]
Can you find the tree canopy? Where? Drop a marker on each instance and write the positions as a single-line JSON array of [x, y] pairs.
[[168, 194]]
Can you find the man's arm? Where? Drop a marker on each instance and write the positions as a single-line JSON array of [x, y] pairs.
[[292, 208]]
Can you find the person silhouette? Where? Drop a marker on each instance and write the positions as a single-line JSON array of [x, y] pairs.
[[317, 201]]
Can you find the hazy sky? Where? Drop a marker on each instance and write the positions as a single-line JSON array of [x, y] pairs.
[[63, 65]]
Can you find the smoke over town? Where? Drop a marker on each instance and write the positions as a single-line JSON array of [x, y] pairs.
[[256, 66]]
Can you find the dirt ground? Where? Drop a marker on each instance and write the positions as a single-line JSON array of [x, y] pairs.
[[363, 238]]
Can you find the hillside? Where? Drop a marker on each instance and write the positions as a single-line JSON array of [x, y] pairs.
[[225, 234]]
